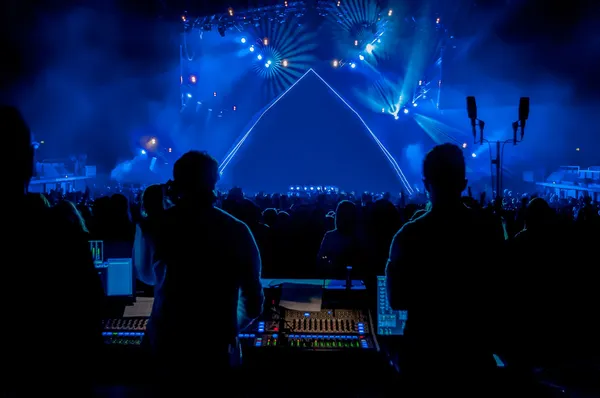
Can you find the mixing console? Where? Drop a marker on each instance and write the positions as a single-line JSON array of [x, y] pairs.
[[319, 330], [124, 331]]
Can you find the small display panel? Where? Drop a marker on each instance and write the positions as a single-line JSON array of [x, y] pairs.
[[389, 322]]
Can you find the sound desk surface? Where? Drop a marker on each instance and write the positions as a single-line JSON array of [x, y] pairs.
[[284, 341], [320, 330]]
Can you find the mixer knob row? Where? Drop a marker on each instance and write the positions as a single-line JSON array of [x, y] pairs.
[[126, 324]]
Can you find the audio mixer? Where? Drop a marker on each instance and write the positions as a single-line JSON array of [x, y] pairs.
[[124, 331], [328, 329]]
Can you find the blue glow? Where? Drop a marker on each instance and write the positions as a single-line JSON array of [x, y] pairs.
[[251, 49], [384, 150], [259, 57], [243, 40]]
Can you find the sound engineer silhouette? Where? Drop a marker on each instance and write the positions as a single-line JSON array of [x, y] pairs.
[[49, 280], [436, 271], [211, 286]]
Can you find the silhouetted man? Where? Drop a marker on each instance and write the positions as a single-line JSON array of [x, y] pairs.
[[49, 282], [438, 270], [211, 287]]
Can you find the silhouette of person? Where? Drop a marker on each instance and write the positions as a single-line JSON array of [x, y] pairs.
[[436, 271], [211, 283], [340, 247], [50, 281]]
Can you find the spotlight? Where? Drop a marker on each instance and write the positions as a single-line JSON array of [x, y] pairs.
[[259, 57], [251, 49], [267, 65], [335, 63], [464, 145], [193, 79], [356, 42], [405, 111], [221, 29], [269, 62], [353, 65], [265, 41], [214, 94], [284, 63], [243, 40], [390, 12], [370, 48], [230, 11], [234, 108], [415, 104], [474, 155], [361, 57], [382, 110]]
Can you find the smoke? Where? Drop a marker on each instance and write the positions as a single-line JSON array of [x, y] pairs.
[[414, 156], [99, 77]]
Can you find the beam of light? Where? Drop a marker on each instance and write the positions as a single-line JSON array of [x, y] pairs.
[[393, 163], [438, 131], [232, 153], [387, 153]]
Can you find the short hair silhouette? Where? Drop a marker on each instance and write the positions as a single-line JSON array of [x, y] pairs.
[[17, 138], [196, 172], [444, 169]]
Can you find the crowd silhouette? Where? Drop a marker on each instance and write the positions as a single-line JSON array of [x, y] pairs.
[[512, 277]]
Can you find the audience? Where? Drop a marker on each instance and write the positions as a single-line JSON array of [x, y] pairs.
[[508, 277]]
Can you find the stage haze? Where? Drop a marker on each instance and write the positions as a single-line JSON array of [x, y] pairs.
[[310, 137]]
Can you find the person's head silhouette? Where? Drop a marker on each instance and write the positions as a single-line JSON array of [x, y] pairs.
[[444, 173], [17, 140], [196, 174]]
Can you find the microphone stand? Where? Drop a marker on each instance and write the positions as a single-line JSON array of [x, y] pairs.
[[348, 278], [498, 159]]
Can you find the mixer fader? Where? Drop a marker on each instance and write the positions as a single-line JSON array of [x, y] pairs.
[[327, 321], [328, 329]]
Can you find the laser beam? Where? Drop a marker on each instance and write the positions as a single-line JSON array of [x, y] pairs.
[[393, 163]]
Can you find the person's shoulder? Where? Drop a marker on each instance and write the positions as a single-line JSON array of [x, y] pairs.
[[230, 223], [226, 218], [331, 234], [415, 226]]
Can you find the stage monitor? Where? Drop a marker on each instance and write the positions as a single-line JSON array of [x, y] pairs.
[[117, 277], [389, 322]]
